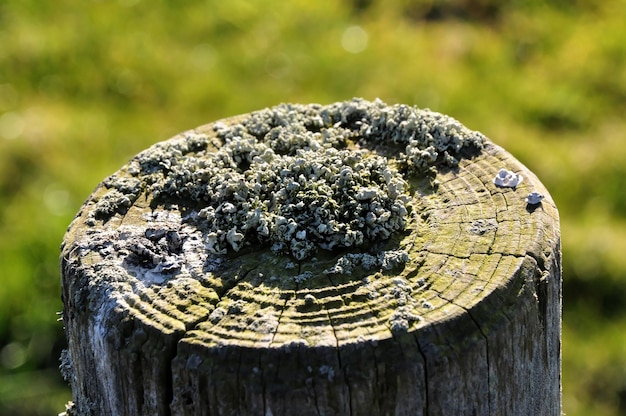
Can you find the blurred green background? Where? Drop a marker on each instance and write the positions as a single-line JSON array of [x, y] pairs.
[[85, 85]]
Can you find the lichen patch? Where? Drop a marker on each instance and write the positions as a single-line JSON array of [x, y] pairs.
[[301, 178]]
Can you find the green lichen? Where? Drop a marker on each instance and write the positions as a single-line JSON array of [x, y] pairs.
[[300, 178], [111, 203], [385, 260], [122, 193]]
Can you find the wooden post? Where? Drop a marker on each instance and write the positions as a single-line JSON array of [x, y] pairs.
[[350, 259]]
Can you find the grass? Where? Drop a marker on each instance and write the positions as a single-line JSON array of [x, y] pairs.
[[85, 85]]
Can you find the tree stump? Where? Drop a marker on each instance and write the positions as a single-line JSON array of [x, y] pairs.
[[349, 259]]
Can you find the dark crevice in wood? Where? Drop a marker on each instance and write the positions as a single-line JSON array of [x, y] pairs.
[[486, 340], [232, 283], [376, 392], [315, 398], [214, 393], [280, 315], [338, 353], [263, 384], [426, 377], [169, 384], [238, 385], [541, 280]]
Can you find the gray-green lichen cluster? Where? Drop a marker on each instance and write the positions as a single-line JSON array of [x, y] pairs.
[[385, 260], [122, 193], [298, 178]]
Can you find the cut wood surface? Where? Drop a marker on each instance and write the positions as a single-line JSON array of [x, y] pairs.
[[457, 313]]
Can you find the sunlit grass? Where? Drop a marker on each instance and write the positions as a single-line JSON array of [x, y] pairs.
[[593, 364]]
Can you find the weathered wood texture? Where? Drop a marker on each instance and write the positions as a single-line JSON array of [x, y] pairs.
[[469, 325]]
